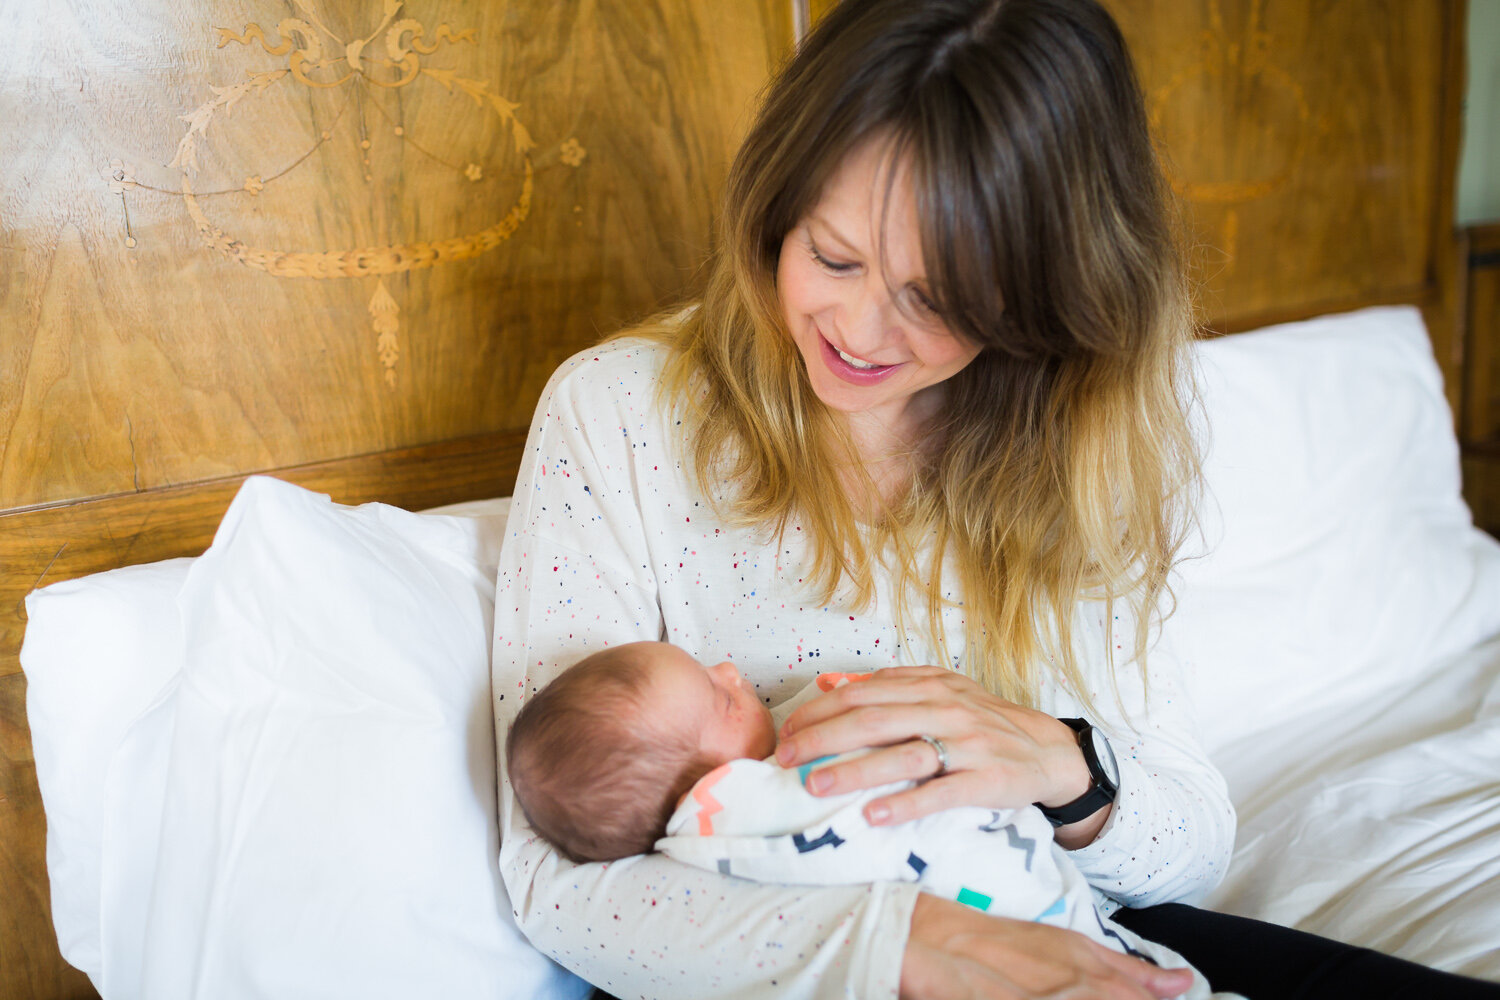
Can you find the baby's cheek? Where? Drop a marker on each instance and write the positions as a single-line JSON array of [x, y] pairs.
[[766, 737]]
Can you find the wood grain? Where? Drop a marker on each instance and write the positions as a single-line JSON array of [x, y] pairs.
[[30, 965], [1481, 423], [47, 544], [1481, 471], [1443, 308], [168, 362], [1480, 430], [1310, 156]]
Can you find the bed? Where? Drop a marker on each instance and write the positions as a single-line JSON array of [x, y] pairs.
[[189, 808]]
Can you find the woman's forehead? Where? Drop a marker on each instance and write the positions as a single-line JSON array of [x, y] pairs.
[[869, 204]]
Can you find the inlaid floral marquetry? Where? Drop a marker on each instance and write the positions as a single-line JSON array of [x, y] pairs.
[[393, 56]]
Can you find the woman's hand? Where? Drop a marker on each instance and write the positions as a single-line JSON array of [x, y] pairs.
[[957, 953], [1000, 754]]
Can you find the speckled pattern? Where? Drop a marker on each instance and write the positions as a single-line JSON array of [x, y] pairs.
[[609, 542]]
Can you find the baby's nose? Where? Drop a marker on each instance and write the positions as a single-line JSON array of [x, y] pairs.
[[727, 674]]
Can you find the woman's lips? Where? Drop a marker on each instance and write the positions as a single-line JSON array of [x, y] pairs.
[[849, 373]]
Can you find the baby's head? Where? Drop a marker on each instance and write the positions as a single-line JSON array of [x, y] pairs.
[[600, 757]]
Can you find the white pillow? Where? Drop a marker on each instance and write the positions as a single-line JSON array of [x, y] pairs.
[[97, 651], [308, 808], [1341, 558]]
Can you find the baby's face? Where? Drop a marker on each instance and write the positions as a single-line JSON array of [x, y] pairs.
[[716, 702]]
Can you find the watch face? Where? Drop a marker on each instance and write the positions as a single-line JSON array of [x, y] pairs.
[[1106, 757]]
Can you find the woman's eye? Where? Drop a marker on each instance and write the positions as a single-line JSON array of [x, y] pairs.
[[924, 304], [828, 265]]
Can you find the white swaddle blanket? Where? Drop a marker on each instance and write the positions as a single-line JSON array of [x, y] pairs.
[[756, 820]]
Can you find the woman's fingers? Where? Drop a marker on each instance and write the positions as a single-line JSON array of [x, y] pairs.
[[888, 686], [1013, 755], [954, 953], [906, 761], [869, 726], [920, 671], [926, 799], [1158, 981], [1056, 963], [943, 977]]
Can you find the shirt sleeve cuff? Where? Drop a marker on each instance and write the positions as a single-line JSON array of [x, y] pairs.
[[1100, 860], [876, 971]]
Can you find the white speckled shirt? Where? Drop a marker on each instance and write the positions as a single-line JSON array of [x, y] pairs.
[[610, 542]]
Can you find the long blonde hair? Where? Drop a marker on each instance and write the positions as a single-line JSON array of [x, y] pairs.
[[1062, 464]]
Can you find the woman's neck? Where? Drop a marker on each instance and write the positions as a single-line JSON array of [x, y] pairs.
[[888, 451]]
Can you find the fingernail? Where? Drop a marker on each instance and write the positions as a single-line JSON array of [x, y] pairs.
[[877, 813], [1169, 979], [819, 782], [785, 753]]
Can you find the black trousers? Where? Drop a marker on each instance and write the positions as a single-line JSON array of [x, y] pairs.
[[1265, 962]]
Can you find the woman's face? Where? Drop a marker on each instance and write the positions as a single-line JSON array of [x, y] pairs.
[[857, 305]]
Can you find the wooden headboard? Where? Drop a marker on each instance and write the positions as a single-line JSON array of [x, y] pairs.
[[346, 243]]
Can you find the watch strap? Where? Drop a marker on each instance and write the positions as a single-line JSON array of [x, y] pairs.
[[1101, 791]]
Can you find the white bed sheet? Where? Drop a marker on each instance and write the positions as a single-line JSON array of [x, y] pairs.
[[1379, 823], [1345, 577], [1376, 821]]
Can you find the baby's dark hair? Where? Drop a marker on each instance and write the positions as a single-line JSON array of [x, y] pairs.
[[596, 771]]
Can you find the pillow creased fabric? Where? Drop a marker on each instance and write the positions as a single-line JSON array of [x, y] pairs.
[[308, 809]]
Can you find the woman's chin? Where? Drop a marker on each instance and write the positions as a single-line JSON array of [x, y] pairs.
[[846, 399]]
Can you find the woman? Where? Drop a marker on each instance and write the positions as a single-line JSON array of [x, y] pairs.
[[927, 415]]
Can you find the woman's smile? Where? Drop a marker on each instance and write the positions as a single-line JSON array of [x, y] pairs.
[[853, 370]]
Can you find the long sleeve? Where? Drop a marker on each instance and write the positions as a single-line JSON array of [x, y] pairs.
[[586, 563], [1171, 833]]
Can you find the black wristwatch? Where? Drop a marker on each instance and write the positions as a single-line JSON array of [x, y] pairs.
[[1104, 776]]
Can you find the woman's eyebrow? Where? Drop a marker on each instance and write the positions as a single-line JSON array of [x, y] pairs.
[[838, 237]]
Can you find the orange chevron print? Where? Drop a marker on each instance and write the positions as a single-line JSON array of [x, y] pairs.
[[707, 804], [827, 682]]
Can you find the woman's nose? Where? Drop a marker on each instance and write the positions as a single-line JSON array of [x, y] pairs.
[[868, 318]]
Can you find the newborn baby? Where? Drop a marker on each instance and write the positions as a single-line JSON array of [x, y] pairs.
[[640, 747]]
